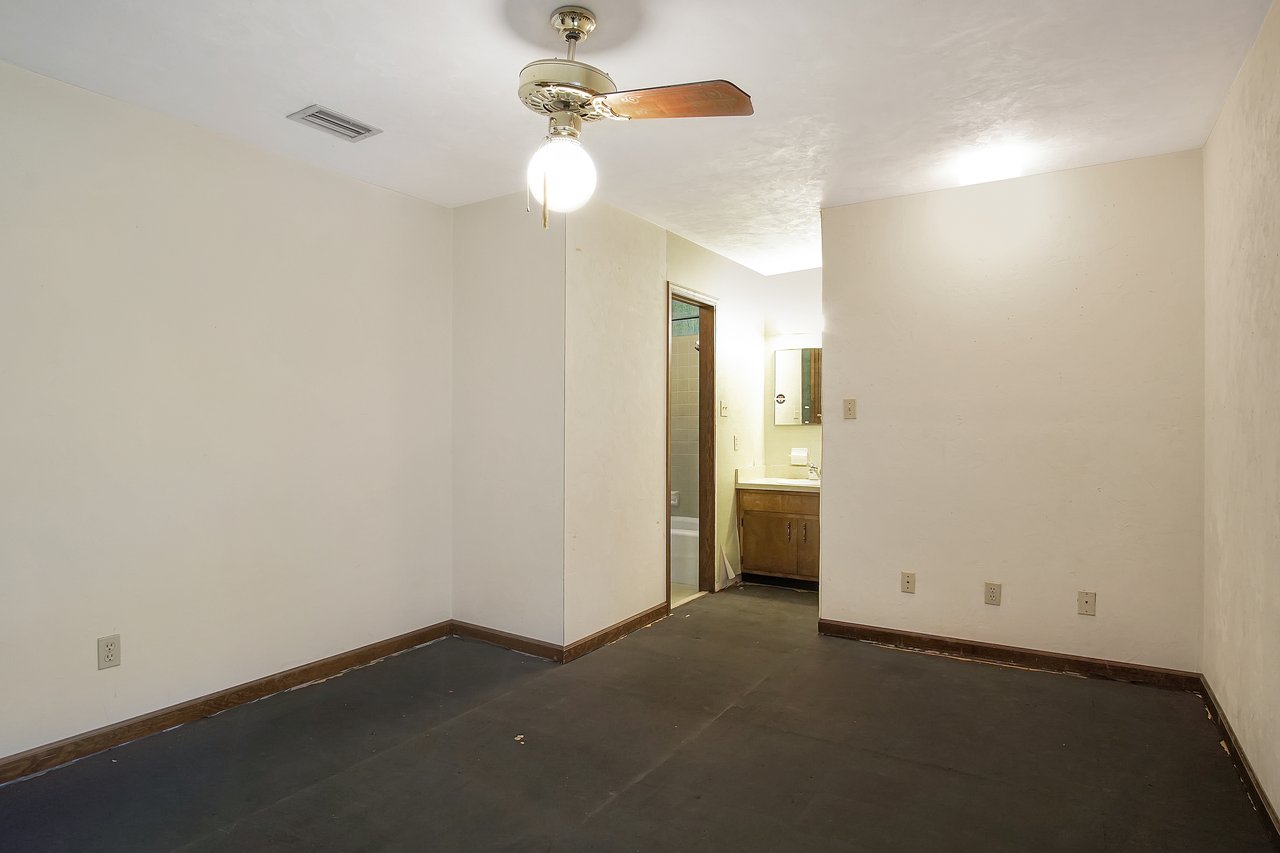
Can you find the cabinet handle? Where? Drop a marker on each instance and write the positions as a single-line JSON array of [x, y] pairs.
[[804, 532], [788, 531]]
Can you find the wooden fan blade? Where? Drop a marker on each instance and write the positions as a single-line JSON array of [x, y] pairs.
[[688, 100]]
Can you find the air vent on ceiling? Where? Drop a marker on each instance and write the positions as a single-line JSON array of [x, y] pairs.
[[329, 121]]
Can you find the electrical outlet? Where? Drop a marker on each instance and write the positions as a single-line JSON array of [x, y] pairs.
[[908, 581], [991, 594], [850, 409], [108, 651], [1087, 603]]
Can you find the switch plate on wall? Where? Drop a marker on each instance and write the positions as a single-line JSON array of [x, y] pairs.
[[850, 409], [108, 651], [1087, 603], [909, 582], [991, 593], [724, 409]]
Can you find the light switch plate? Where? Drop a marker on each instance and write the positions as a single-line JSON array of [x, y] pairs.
[[850, 409], [991, 593], [724, 409]]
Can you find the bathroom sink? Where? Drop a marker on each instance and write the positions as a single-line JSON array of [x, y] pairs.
[[780, 483]]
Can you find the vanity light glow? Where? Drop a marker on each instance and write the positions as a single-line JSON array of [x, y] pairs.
[[565, 168], [996, 162]]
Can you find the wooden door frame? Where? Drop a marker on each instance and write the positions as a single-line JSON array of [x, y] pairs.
[[706, 434]]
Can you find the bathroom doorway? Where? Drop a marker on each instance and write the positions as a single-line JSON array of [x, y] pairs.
[[691, 446]]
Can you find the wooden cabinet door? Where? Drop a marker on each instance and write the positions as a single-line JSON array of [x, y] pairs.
[[768, 542], [807, 546]]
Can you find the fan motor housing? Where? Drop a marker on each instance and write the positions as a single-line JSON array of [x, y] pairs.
[[550, 86]]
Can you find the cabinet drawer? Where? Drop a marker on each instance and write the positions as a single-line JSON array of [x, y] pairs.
[[792, 503]]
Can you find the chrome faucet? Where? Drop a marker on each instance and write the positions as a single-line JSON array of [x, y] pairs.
[[815, 473]]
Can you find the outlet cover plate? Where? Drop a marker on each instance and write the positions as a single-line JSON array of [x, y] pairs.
[[108, 651], [909, 582], [991, 593], [1087, 603]]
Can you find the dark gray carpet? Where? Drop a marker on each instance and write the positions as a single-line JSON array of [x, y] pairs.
[[728, 726]]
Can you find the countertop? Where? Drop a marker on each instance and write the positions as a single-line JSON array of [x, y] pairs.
[[779, 484]]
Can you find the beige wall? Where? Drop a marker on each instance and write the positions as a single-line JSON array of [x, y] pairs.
[[779, 440], [509, 419], [1028, 362], [792, 312], [215, 440], [1242, 414], [615, 419], [739, 374]]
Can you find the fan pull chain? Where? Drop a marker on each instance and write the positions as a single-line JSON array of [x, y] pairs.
[[546, 218]]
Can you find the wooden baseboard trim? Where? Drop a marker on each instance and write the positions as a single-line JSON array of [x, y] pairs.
[[615, 632], [42, 758], [1266, 810], [51, 755], [1173, 679], [552, 652], [514, 642]]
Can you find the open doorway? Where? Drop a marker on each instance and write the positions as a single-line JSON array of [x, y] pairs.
[[691, 446]]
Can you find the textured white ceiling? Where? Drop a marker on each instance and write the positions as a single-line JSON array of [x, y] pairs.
[[855, 99]]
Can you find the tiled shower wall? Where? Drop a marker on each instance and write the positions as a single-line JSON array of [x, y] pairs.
[[684, 413]]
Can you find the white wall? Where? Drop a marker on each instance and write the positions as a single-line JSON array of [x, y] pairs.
[[1242, 376], [615, 419], [215, 439], [1028, 362], [739, 374], [509, 419]]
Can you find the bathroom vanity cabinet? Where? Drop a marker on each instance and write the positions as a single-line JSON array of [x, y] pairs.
[[779, 533]]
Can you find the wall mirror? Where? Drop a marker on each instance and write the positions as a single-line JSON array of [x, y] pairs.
[[797, 387]]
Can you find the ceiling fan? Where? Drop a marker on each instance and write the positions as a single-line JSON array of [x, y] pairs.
[[561, 175]]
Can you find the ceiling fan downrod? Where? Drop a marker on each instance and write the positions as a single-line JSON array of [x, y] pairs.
[[574, 24]]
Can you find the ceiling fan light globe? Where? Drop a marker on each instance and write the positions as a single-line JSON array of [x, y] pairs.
[[568, 172]]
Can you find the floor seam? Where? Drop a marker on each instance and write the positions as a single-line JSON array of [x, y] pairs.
[[227, 827], [614, 796], [631, 783]]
